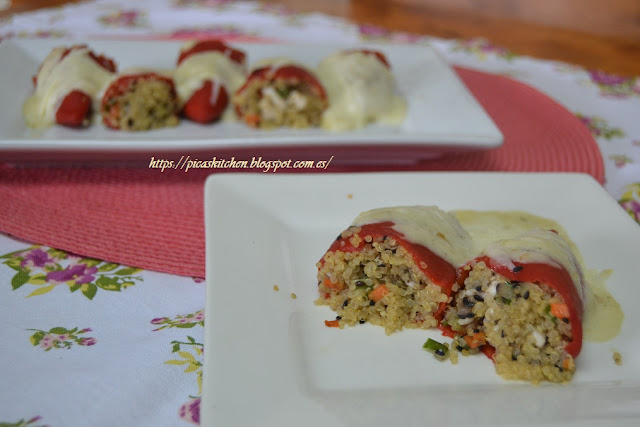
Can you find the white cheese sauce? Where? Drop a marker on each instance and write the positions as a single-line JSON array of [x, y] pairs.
[[428, 226], [361, 89], [57, 78]]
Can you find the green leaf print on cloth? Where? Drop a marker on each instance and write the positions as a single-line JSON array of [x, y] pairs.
[[482, 49], [630, 201], [189, 354], [599, 127], [24, 423], [46, 268], [180, 321], [60, 337]]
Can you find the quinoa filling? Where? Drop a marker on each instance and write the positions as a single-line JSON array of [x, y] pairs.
[[520, 320], [147, 104], [380, 284], [282, 103]]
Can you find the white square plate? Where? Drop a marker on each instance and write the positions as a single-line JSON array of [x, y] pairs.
[[271, 361], [442, 114]]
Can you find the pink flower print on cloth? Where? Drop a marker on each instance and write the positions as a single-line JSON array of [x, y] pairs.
[[124, 18], [46, 268], [190, 411], [61, 338], [370, 32], [615, 86]]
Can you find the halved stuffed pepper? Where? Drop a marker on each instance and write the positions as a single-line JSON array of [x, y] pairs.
[[67, 87], [140, 100], [208, 72], [521, 303], [282, 94], [393, 267]]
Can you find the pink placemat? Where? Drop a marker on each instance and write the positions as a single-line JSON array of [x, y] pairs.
[[153, 220]]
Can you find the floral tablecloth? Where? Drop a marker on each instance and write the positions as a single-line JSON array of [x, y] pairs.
[[88, 342]]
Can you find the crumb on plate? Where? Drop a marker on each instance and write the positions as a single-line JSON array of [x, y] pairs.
[[617, 358]]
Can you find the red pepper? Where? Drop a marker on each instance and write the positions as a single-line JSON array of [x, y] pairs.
[[381, 56], [111, 113], [438, 270], [214, 45], [74, 109], [555, 277], [202, 107], [293, 74]]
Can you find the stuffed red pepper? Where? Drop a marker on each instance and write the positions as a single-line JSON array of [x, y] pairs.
[[362, 89], [281, 94], [208, 72], [140, 100], [521, 302], [393, 267], [67, 87]]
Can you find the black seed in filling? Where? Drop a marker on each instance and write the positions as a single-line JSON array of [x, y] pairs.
[[466, 315], [459, 348], [514, 357], [478, 298], [372, 302], [345, 303], [526, 295], [478, 288], [515, 284], [476, 330], [439, 352], [362, 321], [565, 320], [518, 268], [338, 317], [360, 283], [502, 334], [467, 302]]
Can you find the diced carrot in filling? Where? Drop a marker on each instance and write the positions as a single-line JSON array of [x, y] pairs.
[[379, 283]]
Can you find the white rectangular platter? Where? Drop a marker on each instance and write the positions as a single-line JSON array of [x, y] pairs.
[[442, 114], [271, 361]]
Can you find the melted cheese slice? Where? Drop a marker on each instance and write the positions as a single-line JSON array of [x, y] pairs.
[[361, 90], [215, 66], [538, 246], [57, 78], [428, 226]]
